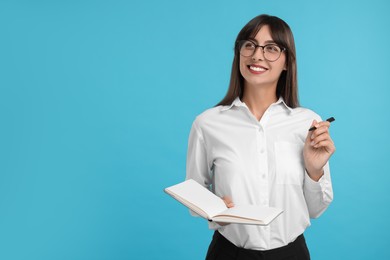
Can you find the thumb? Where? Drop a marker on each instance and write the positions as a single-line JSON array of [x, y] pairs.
[[228, 201], [308, 137]]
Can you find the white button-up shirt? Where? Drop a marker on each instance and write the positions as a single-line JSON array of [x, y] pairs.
[[258, 163]]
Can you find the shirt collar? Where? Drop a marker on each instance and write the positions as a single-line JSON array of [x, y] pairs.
[[238, 103], [281, 101]]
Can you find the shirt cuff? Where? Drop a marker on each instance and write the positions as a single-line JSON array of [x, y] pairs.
[[213, 225], [313, 185]]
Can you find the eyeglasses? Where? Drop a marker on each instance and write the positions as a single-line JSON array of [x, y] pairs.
[[271, 51]]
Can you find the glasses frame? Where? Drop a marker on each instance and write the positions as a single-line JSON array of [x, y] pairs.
[[241, 43]]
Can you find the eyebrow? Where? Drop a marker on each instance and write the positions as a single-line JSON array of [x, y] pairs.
[[266, 42], [270, 41]]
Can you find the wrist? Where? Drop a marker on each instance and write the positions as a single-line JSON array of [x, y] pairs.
[[315, 174]]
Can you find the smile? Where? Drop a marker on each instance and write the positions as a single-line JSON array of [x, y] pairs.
[[257, 68]]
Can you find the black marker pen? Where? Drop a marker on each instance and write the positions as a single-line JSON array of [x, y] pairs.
[[330, 120]]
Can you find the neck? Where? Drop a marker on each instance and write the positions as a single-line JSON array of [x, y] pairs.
[[259, 99]]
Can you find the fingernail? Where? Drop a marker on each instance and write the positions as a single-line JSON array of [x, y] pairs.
[[312, 136], [312, 143]]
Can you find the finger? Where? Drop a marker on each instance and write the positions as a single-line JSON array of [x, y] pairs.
[[308, 137], [328, 145], [323, 137], [316, 125], [228, 201], [319, 131], [321, 124]]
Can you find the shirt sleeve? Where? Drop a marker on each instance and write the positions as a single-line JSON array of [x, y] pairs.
[[198, 166], [319, 194]]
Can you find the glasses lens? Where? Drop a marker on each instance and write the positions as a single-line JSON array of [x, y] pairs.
[[272, 52], [247, 48]]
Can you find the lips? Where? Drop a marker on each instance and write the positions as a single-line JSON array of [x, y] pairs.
[[257, 68]]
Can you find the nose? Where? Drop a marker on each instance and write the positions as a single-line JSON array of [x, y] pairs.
[[258, 54]]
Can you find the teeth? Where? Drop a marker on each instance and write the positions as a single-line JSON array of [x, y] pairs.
[[257, 68]]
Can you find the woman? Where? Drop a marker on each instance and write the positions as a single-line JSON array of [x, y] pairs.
[[254, 148]]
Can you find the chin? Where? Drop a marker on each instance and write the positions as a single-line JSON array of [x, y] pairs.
[[261, 83]]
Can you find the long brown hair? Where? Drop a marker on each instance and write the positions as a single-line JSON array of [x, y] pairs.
[[287, 86]]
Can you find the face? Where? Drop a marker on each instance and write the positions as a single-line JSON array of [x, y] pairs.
[[256, 70]]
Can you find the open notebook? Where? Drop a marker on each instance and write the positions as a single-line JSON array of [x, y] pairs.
[[209, 206]]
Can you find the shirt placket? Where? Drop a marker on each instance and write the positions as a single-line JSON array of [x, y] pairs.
[[262, 155], [262, 165]]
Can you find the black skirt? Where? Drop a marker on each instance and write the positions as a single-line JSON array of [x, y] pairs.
[[222, 249]]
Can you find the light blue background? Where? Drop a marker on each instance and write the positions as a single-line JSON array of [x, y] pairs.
[[97, 100]]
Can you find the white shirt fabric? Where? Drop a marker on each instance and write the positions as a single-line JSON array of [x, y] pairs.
[[258, 163]]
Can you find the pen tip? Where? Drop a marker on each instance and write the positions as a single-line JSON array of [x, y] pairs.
[[331, 119]]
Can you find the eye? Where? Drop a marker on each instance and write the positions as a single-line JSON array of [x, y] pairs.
[[248, 45], [272, 48]]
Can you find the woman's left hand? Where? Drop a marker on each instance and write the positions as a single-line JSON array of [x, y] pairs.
[[318, 149]]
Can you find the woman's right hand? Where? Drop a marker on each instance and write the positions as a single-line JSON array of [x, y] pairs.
[[229, 203]]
